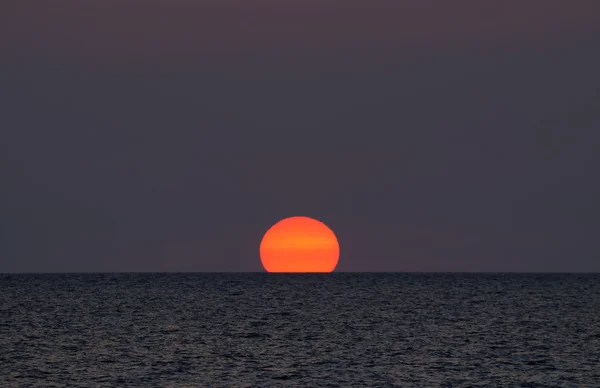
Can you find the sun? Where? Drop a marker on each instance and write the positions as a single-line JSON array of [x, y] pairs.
[[299, 244]]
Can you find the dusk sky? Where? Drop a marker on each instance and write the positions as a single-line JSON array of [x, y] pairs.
[[428, 135]]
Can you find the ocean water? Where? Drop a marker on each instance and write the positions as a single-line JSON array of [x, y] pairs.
[[336, 330]]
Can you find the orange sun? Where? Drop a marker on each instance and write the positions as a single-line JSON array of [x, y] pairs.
[[299, 244]]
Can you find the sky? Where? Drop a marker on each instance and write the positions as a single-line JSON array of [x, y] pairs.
[[428, 135]]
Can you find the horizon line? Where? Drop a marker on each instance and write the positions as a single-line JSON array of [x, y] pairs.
[[302, 273]]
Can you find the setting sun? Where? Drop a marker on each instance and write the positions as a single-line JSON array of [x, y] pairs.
[[299, 244]]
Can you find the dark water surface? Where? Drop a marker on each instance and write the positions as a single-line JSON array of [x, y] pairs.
[[256, 330]]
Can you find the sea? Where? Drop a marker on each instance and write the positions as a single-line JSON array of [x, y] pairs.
[[300, 330]]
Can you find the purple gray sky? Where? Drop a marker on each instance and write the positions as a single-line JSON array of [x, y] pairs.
[[170, 135]]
